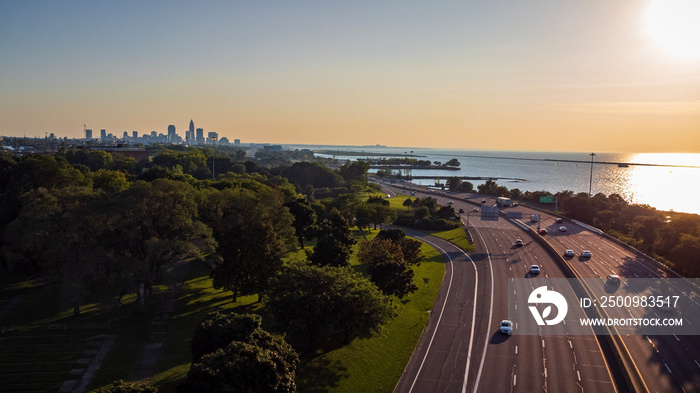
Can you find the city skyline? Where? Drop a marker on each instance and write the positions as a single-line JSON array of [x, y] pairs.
[[617, 77]]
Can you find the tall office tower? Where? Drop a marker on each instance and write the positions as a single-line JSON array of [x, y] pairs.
[[135, 134], [103, 135], [171, 132], [200, 136], [88, 134], [191, 128], [187, 137], [154, 134], [126, 135], [236, 141], [212, 138]]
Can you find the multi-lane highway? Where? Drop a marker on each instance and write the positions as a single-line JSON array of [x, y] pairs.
[[462, 349], [667, 363]]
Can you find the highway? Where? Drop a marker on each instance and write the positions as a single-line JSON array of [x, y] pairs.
[[457, 355], [667, 363]]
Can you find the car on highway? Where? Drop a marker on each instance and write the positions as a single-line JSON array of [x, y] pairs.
[[559, 220], [666, 305], [476, 209], [612, 279], [586, 254], [519, 242], [483, 201], [562, 229], [534, 269], [461, 210], [543, 231], [569, 253], [450, 202], [506, 327]]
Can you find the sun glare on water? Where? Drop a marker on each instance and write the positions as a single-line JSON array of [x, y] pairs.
[[675, 25]]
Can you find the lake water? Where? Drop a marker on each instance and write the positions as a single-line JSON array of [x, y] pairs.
[[673, 186]]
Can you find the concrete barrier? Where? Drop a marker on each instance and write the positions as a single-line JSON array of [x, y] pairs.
[[622, 366]]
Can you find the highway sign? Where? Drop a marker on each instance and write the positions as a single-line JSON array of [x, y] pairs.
[[547, 199], [489, 213]]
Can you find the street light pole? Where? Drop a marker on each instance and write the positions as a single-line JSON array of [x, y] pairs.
[[410, 174], [590, 184]]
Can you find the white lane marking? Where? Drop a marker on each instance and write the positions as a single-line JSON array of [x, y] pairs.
[[449, 287], [578, 374], [486, 341], [669, 370], [516, 351], [677, 339], [696, 362], [545, 372], [542, 343], [515, 380], [570, 346]]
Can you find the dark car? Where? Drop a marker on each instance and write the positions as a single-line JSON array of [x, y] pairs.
[[543, 231]]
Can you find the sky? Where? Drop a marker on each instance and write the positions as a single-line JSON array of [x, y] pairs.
[[543, 75]]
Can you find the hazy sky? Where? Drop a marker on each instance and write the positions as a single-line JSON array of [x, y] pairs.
[[505, 74]]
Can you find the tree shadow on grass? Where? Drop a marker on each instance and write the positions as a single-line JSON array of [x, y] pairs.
[[320, 375]]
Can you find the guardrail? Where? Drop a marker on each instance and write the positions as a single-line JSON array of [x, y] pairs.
[[612, 344]]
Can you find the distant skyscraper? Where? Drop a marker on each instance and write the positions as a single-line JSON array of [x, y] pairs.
[[126, 135], [236, 141], [135, 134], [88, 134], [200, 136], [103, 135], [171, 132], [212, 138], [191, 128]]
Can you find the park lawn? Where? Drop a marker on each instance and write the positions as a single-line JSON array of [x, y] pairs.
[[457, 236], [369, 363], [375, 364]]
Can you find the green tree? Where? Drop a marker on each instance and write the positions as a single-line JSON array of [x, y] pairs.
[[304, 219], [335, 241], [242, 367], [313, 302], [109, 181], [354, 171], [388, 257], [452, 162], [253, 230], [465, 186], [489, 188], [121, 386], [408, 203], [149, 226]]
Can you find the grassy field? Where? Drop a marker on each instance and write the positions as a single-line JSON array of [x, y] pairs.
[[55, 345]]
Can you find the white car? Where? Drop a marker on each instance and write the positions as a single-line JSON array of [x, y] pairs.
[[506, 327], [613, 279], [476, 209], [585, 254], [562, 229], [534, 269], [450, 202], [518, 242], [569, 253], [559, 220]]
